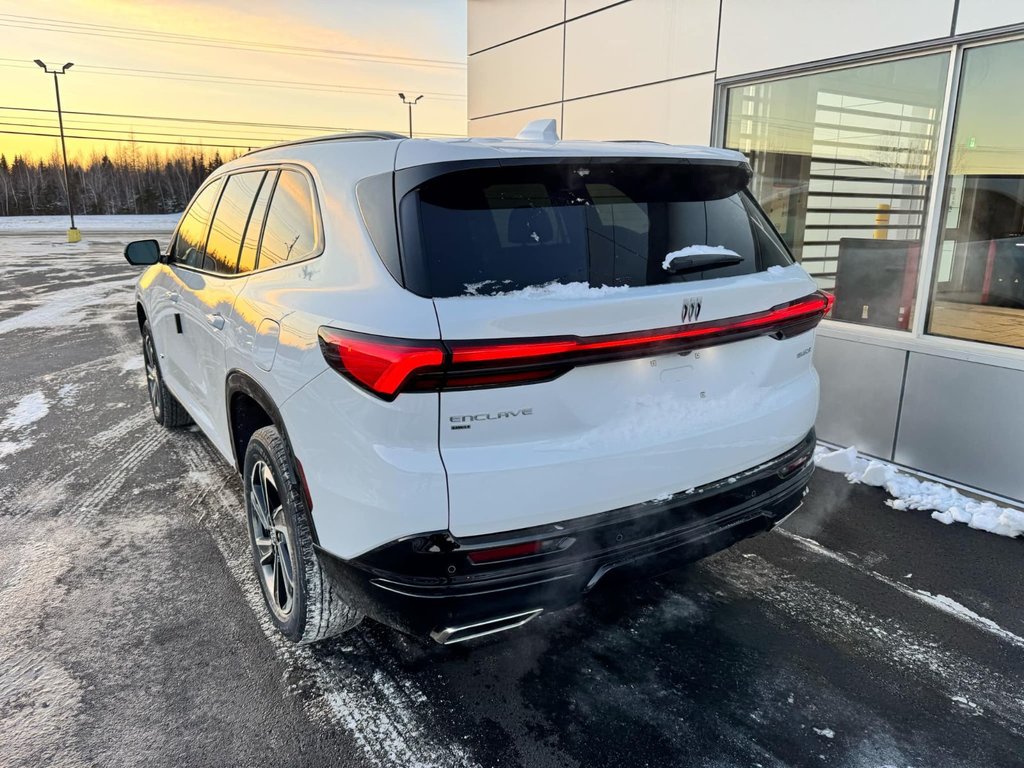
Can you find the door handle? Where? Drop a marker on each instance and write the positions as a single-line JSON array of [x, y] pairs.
[[172, 296], [216, 320]]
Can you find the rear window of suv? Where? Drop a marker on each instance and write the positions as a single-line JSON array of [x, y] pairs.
[[491, 230]]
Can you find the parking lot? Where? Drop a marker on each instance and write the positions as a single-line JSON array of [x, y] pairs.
[[131, 629]]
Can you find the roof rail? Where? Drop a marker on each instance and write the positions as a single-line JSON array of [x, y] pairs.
[[351, 136]]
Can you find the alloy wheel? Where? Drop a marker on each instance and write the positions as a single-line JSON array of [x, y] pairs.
[[152, 374], [274, 546]]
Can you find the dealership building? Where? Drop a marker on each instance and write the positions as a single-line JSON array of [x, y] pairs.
[[887, 143]]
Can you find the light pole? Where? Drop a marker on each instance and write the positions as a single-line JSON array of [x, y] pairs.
[[73, 234], [411, 105]]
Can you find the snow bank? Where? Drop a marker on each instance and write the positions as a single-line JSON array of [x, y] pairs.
[[556, 291], [164, 222], [694, 250], [947, 504]]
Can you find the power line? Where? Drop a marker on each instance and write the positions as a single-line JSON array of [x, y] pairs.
[[253, 82], [172, 140], [117, 32], [212, 121], [209, 145]]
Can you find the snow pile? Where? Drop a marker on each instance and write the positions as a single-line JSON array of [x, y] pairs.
[[947, 505], [553, 290], [696, 250]]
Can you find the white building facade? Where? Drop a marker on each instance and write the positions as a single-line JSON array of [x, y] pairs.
[[887, 142]]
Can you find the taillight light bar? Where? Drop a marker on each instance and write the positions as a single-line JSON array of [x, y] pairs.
[[387, 367]]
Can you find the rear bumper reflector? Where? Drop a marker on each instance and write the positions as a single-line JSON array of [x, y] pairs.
[[387, 367]]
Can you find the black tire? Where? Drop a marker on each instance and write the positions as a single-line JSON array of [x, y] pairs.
[[281, 542], [167, 410]]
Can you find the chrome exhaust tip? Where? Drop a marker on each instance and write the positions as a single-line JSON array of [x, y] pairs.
[[452, 635]]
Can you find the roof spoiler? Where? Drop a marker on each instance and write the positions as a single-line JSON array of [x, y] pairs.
[[539, 130]]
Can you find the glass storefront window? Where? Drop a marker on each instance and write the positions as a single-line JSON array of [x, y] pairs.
[[978, 289], [842, 165]]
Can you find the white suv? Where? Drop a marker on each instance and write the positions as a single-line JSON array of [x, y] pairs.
[[463, 380]]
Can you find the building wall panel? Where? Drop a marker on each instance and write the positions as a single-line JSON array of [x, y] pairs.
[[975, 15], [492, 22], [860, 393], [518, 75], [574, 8], [964, 421], [643, 41], [757, 36], [677, 112]]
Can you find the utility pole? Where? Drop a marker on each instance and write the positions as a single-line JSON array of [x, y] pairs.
[[73, 234], [411, 105]]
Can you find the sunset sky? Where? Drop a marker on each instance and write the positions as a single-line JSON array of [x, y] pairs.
[[210, 62]]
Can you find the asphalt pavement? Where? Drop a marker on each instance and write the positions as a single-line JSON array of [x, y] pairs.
[[132, 632]]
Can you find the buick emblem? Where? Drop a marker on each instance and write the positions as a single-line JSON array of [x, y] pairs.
[[691, 309]]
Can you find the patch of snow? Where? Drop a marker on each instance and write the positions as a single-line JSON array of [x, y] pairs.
[[964, 703], [29, 409], [14, 225], [555, 291], [775, 269], [947, 504], [962, 612], [828, 733], [64, 307], [945, 604], [662, 497], [7, 447], [132, 363], [694, 250]]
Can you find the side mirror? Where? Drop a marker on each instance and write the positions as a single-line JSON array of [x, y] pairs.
[[142, 253]]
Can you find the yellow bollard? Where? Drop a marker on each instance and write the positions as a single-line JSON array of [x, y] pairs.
[[882, 217], [74, 236]]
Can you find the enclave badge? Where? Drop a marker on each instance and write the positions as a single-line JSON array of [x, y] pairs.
[[691, 309]]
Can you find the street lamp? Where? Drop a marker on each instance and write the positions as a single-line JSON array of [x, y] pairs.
[[411, 105], [73, 234]]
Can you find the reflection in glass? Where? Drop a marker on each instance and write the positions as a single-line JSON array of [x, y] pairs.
[[229, 221], [978, 289], [190, 243], [290, 231], [247, 257], [842, 163]]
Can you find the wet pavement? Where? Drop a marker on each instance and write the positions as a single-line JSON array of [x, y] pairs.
[[132, 633]]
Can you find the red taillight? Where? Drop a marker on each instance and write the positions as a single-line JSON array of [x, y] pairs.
[[505, 553], [380, 365], [387, 367]]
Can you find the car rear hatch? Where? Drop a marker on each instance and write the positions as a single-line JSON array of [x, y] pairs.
[[615, 331]]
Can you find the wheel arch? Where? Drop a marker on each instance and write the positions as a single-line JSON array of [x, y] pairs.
[[250, 407], [140, 312]]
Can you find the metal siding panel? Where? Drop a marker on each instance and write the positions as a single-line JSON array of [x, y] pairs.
[[518, 75], [964, 421], [860, 393], [756, 35], [976, 15]]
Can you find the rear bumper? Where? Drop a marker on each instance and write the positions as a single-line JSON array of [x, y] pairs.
[[428, 585]]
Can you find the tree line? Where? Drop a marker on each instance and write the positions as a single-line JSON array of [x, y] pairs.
[[126, 181]]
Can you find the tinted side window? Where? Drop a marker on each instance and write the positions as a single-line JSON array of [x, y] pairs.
[[190, 243], [229, 221], [290, 233], [247, 259]]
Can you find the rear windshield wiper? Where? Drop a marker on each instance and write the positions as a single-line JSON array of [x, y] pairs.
[[695, 259]]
